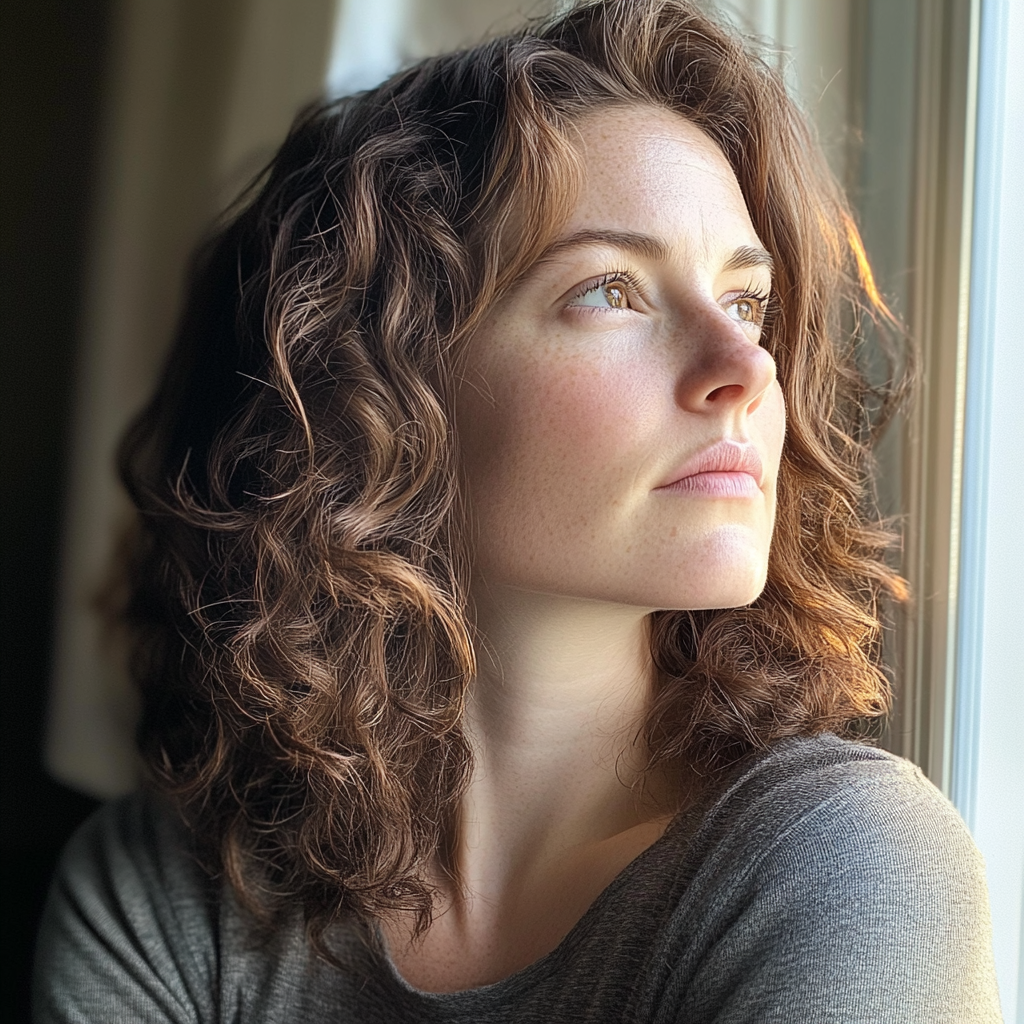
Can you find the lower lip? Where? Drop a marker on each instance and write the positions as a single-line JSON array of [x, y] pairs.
[[716, 485]]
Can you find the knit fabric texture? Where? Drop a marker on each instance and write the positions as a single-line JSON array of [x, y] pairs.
[[828, 882]]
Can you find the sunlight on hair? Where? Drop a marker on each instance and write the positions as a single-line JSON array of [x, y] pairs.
[[864, 272]]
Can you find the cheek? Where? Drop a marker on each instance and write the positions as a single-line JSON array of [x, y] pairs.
[[559, 419], [774, 430], [770, 427], [547, 463], [777, 408]]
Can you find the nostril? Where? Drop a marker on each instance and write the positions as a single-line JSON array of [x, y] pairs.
[[728, 392]]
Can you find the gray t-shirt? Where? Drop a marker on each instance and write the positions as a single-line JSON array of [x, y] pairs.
[[828, 882]]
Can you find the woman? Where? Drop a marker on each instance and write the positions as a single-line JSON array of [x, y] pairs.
[[503, 584]]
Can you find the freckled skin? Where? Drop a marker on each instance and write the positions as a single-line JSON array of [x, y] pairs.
[[590, 410]]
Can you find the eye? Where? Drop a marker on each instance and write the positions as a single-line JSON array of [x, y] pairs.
[[611, 292], [748, 309]]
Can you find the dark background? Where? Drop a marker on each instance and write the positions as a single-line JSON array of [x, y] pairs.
[[52, 76]]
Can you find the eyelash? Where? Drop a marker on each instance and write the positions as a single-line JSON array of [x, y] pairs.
[[627, 277], [762, 298]]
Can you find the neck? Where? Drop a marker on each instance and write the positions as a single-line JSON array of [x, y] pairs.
[[554, 719], [554, 810]]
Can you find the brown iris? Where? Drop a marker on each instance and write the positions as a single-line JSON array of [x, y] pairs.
[[749, 310], [616, 296]]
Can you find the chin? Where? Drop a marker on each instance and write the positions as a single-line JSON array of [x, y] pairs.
[[736, 598], [732, 587], [716, 597], [734, 584]]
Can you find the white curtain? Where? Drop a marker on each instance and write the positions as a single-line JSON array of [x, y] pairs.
[[199, 95]]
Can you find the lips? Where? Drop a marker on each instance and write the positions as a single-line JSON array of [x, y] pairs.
[[716, 465]]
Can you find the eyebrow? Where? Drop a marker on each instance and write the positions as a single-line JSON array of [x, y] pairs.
[[650, 247], [747, 256], [631, 241]]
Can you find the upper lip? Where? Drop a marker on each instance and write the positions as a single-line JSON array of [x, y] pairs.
[[725, 456]]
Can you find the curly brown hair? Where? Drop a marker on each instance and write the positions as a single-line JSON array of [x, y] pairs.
[[298, 582]]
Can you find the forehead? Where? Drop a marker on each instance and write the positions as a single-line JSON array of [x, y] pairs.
[[648, 169]]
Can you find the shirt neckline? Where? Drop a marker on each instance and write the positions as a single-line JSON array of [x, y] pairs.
[[530, 975]]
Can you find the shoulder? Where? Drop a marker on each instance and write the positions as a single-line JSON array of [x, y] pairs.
[[825, 816], [827, 790], [134, 855], [833, 875], [140, 833], [130, 922]]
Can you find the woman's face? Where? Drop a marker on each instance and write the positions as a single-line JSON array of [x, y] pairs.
[[621, 424]]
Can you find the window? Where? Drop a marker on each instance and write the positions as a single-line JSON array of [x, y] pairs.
[[988, 754]]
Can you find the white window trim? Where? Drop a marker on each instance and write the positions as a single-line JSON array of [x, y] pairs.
[[988, 757]]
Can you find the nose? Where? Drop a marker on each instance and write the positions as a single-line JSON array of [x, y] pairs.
[[726, 369]]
